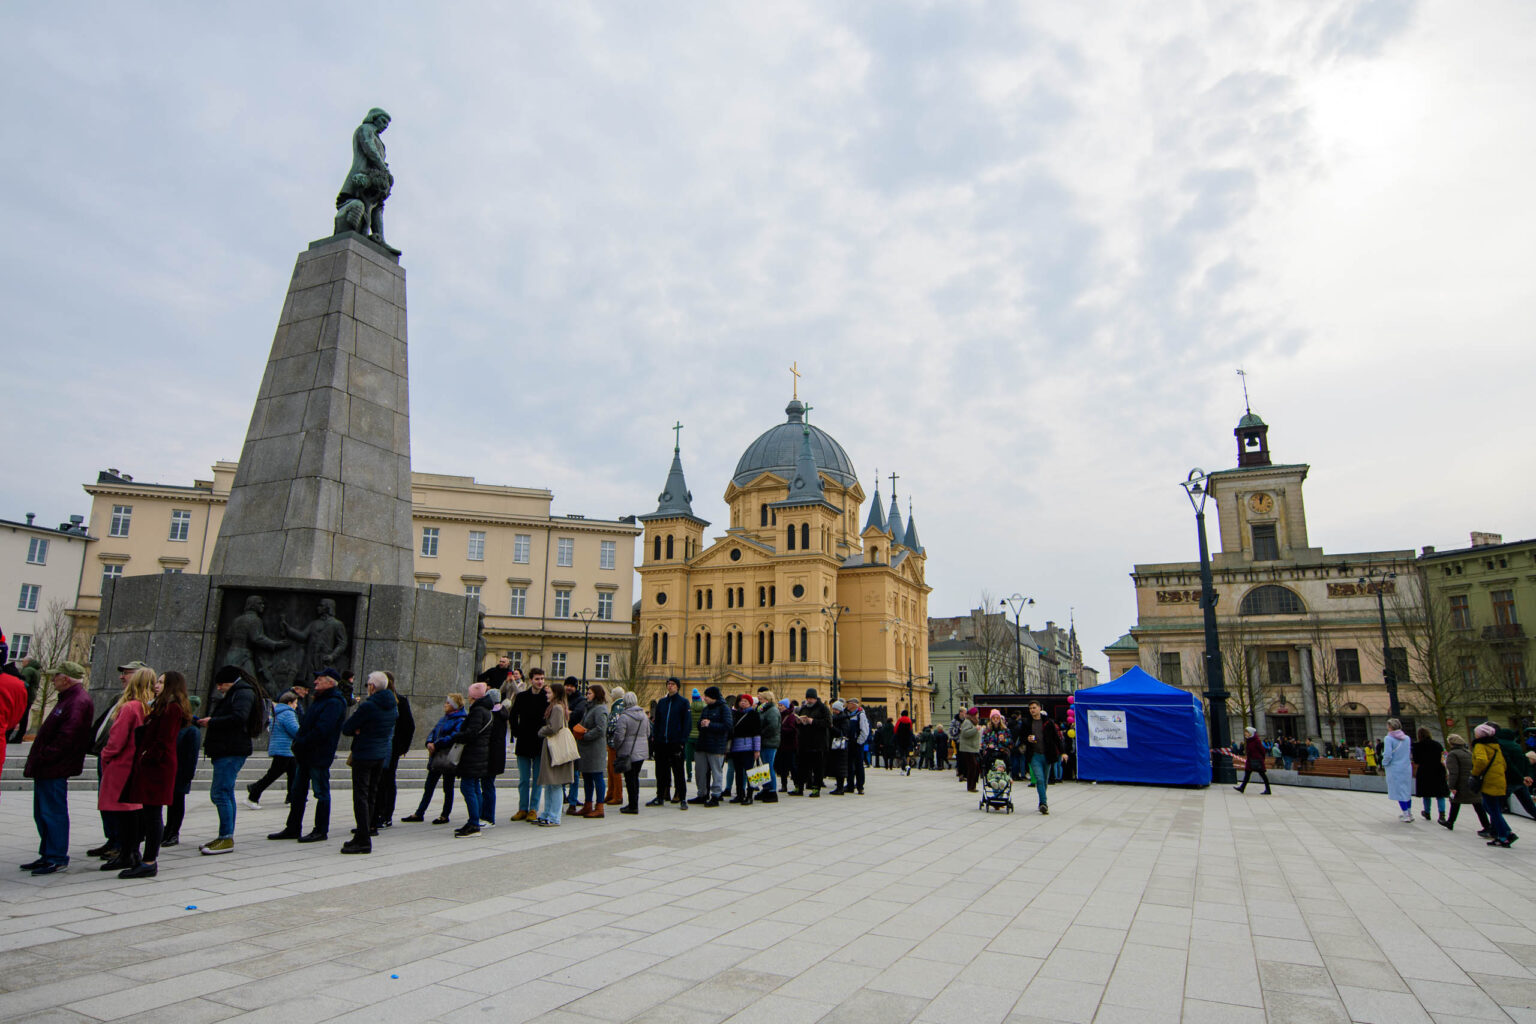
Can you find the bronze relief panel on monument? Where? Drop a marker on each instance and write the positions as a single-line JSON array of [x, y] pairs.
[[281, 636]]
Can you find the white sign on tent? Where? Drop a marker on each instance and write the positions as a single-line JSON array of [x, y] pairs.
[[1107, 729]]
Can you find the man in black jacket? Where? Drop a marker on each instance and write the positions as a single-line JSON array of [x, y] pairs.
[[314, 749], [475, 763], [528, 709], [1043, 748], [372, 728], [815, 736], [236, 715], [674, 718]]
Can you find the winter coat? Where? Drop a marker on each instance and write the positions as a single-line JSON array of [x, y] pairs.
[[1514, 759], [1488, 761], [789, 732], [13, 706], [714, 728], [550, 775], [152, 782], [885, 739], [747, 733], [1253, 748], [228, 731], [1047, 734], [1429, 777], [527, 719], [772, 725], [575, 706], [117, 758], [446, 726], [1458, 770], [476, 737], [969, 741], [285, 726], [696, 710], [405, 728], [674, 720], [630, 734], [189, 741], [496, 748], [320, 729], [372, 726], [593, 743], [904, 733], [1397, 759], [64, 738], [817, 734]]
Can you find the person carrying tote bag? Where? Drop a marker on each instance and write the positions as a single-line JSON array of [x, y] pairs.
[[557, 758]]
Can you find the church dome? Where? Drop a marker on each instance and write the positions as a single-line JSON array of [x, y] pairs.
[[776, 449]]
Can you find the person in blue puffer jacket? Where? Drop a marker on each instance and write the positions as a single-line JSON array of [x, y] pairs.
[[440, 739], [285, 726]]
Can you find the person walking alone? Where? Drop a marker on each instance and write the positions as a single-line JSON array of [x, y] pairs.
[[1042, 749], [1253, 750], [1397, 759]]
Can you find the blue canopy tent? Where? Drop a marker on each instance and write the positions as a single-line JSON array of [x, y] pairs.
[[1136, 729]]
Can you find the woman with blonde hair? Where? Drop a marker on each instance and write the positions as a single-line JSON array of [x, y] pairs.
[[117, 761], [152, 781]]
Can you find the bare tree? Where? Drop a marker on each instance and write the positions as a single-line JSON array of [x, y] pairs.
[[1244, 694], [996, 649], [1427, 630], [635, 673], [1504, 662], [1326, 686], [51, 644]]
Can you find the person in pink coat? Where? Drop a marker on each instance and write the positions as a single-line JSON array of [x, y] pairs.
[[117, 758]]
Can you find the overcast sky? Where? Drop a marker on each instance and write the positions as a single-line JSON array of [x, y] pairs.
[[1018, 251]]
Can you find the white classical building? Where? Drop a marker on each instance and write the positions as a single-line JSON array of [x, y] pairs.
[[38, 565]]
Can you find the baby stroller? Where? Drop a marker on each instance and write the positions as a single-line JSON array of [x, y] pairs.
[[997, 787]]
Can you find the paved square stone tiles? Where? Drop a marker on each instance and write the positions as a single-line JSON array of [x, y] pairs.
[[907, 904]]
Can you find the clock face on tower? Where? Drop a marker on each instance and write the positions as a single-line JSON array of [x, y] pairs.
[[1263, 504]]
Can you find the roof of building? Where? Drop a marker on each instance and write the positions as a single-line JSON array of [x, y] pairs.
[[805, 486], [675, 499], [876, 512], [910, 540], [1125, 643], [1250, 419], [74, 528], [777, 449], [893, 521], [1472, 552]]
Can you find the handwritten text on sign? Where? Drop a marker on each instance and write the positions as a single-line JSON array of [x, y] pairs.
[[1107, 729]]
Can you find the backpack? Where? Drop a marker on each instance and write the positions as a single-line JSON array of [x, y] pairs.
[[260, 718]]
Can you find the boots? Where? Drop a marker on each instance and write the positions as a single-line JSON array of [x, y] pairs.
[[596, 811], [585, 811], [615, 789], [770, 797]]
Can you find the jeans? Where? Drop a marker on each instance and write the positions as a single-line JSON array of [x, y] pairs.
[[471, 790], [430, 787], [1496, 823], [1038, 769], [573, 791], [488, 799], [554, 803], [222, 792], [50, 810], [856, 775], [708, 774], [528, 784], [307, 778], [771, 754], [282, 765], [594, 781], [1440, 800], [365, 779]]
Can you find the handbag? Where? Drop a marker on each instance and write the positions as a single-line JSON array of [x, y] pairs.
[[839, 742], [578, 730], [445, 760], [562, 748], [758, 775]]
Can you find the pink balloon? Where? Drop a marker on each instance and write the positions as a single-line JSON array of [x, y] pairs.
[[1071, 715], [1071, 699]]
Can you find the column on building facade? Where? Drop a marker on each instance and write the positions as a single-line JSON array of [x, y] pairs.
[[1308, 690]]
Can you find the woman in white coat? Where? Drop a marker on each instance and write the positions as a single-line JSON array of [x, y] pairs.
[[1397, 760]]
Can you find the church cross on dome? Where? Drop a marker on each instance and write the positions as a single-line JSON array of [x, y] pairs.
[[794, 368], [677, 436], [894, 478]]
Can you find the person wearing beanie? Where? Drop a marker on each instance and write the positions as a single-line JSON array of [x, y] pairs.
[[690, 748], [1458, 774], [786, 760], [233, 720], [746, 745], [714, 738], [1489, 765], [1253, 750], [840, 755]]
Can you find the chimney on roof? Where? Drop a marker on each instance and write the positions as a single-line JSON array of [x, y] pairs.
[[1486, 540], [1429, 549], [128, 478], [30, 517], [112, 470]]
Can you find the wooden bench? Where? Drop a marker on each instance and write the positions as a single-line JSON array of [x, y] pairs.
[[1335, 767]]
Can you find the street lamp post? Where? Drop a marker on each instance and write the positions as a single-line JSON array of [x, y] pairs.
[[1378, 578], [834, 612], [586, 615], [1196, 486], [1017, 603]]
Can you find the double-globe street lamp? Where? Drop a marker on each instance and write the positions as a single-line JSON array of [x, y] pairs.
[[834, 612], [1377, 580], [1197, 487], [1017, 603]]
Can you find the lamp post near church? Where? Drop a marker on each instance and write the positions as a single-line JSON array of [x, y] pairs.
[[1017, 603], [1377, 580], [586, 615], [1197, 487], [834, 612]]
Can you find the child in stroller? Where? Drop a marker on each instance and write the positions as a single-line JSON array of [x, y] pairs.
[[997, 784]]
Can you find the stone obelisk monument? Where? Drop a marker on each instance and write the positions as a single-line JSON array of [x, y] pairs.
[[313, 564]]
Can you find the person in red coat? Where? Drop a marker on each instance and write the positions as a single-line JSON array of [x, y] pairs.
[[117, 761], [152, 782], [13, 704]]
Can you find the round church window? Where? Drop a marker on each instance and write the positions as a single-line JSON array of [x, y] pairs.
[[661, 597], [735, 554], [798, 591]]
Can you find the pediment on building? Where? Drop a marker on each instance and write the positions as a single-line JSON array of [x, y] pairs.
[[760, 482], [718, 554]]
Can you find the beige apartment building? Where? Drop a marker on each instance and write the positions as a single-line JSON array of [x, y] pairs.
[[554, 589]]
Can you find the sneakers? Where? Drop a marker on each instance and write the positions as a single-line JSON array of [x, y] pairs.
[[1044, 809], [221, 845], [1406, 818], [1502, 844], [487, 824], [254, 805], [466, 831], [549, 824], [655, 803], [813, 793], [521, 815]]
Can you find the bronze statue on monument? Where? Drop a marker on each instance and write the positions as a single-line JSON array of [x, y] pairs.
[[360, 203]]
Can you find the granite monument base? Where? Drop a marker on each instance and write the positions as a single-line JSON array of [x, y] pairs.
[[186, 621]]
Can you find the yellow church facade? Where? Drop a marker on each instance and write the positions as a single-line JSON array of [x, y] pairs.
[[794, 594]]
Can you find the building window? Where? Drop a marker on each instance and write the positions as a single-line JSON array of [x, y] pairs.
[[1271, 600], [1397, 657], [37, 551], [669, 545], [429, 542], [605, 606], [515, 660], [1348, 661], [1504, 608], [519, 601], [805, 536], [773, 598], [29, 595], [520, 548], [476, 546], [1277, 666], [1461, 614], [110, 573], [804, 647], [1266, 547], [730, 597], [1170, 670], [1467, 666], [21, 646], [791, 531], [565, 551], [698, 600], [656, 549], [607, 554], [1354, 730], [601, 665], [172, 570], [762, 597], [1512, 665], [557, 664], [181, 523], [425, 585], [122, 518], [472, 590], [794, 636], [562, 604], [962, 673]]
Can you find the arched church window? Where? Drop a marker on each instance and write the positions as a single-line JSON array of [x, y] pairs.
[[669, 545], [1271, 600], [791, 536], [805, 536], [656, 556]]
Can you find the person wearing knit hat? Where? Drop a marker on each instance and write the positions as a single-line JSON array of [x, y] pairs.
[[714, 738], [1489, 765], [814, 740], [1458, 773], [746, 746]]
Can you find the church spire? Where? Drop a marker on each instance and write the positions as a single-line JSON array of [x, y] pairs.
[[910, 541], [893, 518], [876, 509], [807, 481], [675, 498]]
